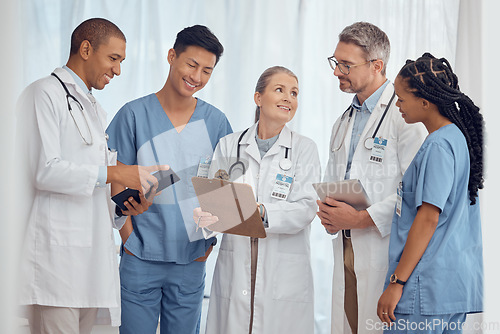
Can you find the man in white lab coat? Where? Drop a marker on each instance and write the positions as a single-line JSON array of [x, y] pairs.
[[69, 268], [372, 143]]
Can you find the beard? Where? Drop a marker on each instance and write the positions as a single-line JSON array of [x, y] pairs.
[[346, 86]]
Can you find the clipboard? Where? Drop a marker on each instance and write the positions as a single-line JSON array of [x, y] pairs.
[[348, 191], [233, 203]]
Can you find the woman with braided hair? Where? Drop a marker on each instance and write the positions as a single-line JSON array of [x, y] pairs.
[[435, 275]]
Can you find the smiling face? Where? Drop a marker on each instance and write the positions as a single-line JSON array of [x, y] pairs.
[[410, 106], [360, 78], [278, 103], [102, 64], [190, 70]]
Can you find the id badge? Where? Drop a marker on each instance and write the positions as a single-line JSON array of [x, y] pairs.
[[378, 149], [203, 167], [282, 186], [399, 200]]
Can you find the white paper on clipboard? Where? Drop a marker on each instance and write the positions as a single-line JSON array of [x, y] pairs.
[[348, 191]]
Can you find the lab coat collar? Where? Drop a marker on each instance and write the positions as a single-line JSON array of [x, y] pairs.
[[77, 79], [249, 139], [284, 139], [371, 102], [377, 114], [80, 94], [69, 81]]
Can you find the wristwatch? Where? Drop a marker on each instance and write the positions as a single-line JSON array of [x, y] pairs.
[[394, 279]]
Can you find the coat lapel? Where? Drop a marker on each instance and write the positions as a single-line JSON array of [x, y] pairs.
[[376, 115], [251, 144]]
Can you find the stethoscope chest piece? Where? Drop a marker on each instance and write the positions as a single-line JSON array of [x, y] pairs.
[[285, 164], [369, 143]]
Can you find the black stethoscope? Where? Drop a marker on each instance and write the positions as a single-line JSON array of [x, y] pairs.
[[285, 163], [368, 141], [72, 97]]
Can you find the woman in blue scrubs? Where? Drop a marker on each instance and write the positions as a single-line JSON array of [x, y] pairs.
[[435, 275]]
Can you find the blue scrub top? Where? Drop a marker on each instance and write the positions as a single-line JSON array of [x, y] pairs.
[[449, 276], [142, 134]]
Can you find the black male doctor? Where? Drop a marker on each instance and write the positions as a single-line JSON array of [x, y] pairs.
[[69, 268]]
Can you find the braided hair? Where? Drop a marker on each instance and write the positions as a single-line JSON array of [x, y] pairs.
[[433, 79]]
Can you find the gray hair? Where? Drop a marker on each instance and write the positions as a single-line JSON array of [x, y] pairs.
[[264, 81], [370, 38]]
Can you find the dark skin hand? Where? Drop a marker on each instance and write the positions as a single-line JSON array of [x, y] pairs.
[[421, 231]]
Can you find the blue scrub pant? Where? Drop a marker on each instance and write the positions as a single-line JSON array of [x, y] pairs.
[[427, 324], [170, 292]]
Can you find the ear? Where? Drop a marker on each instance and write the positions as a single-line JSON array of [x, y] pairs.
[[378, 65], [425, 104], [257, 99], [85, 50], [171, 56]]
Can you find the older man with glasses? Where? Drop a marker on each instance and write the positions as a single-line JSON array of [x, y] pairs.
[[375, 147]]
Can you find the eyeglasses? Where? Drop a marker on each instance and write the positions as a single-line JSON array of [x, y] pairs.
[[344, 68]]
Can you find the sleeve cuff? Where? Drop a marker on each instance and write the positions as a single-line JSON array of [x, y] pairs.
[[383, 224], [102, 177], [119, 221]]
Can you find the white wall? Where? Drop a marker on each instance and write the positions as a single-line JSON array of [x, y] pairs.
[[489, 58], [9, 232]]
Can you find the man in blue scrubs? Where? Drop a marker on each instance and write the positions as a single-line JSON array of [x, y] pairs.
[[162, 269]]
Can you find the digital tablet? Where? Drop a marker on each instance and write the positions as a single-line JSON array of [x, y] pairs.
[[348, 191], [165, 179]]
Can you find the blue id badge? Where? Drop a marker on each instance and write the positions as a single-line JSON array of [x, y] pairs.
[[282, 186], [378, 149]]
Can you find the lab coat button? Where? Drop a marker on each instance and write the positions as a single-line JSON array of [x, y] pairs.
[[245, 292]]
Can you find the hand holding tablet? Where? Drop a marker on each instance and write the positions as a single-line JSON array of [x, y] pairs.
[[165, 179]]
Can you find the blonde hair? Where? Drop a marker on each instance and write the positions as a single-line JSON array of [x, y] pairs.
[[264, 79]]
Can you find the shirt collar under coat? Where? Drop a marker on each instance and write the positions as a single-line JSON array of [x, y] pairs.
[[284, 139], [81, 96], [69, 81]]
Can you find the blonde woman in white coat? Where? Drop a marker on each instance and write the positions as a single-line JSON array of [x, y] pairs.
[[266, 285]]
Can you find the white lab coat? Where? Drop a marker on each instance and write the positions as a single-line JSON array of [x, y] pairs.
[[284, 283], [380, 180], [69, 251]]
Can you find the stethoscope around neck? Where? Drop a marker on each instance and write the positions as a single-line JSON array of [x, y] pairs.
[[72, 97], [368, 141], [285, 163]]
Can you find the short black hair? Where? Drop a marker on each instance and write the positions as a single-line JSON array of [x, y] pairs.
[[96, 31], [201, 36]]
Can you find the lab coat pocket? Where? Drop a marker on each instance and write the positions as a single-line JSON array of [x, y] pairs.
[[293, 278], [70, 220]]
